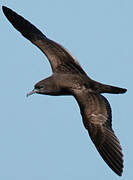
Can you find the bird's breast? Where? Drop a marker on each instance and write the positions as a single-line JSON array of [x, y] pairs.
[[69, 81]]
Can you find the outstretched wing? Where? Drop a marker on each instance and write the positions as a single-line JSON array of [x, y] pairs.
[[59, 58], [96, 113]]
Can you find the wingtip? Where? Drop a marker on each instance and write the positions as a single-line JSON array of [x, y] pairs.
[[4, 8], [120, 173]]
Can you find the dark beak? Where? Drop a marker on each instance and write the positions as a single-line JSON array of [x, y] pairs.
[[32, 92]]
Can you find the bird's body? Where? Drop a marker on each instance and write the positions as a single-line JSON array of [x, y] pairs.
[[69, 78]]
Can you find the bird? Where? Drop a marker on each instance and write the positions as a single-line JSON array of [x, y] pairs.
[[69, 78]]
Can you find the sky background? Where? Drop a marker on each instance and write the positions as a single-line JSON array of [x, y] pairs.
[[43, 137]]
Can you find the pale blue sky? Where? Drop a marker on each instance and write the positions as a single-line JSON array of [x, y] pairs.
[[43, 137]]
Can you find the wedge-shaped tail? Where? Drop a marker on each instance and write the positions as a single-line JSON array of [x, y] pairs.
[[102, 88]]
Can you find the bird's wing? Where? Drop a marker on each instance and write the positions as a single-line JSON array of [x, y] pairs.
[[96, 113], [60, 59]]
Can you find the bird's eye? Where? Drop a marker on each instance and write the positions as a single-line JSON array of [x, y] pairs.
[[38, 87]]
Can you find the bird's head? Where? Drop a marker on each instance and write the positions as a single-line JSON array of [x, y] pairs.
[[39, 88], [45, 86]]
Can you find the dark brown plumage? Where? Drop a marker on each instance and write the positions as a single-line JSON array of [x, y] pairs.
[[69, 78]]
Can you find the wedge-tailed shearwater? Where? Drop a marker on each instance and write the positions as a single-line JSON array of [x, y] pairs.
[[69, 78]]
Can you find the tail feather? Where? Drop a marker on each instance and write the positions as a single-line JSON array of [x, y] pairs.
[[102, 88]]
